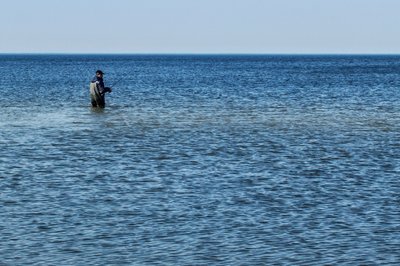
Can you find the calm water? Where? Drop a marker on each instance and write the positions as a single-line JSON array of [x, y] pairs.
[[200, 160]]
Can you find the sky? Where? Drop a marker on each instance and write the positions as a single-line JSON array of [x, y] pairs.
[[200, 26]]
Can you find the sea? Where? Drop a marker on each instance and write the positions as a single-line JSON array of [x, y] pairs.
[[200, 160]]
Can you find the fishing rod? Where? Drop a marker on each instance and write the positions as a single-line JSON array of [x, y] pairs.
[[118, 80], [113, 84]]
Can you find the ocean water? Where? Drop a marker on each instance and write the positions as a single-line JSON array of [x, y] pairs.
[[200, 160]]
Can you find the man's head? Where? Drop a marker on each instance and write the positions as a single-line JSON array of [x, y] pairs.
[[99, 73]]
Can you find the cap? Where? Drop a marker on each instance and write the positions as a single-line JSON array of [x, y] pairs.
[[99, 72]]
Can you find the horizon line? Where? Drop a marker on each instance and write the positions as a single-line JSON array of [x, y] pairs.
[[190, 53]]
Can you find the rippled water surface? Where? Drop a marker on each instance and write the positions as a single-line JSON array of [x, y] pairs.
[[200, 160]]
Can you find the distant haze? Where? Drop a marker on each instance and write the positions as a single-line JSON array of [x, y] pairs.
[[200, 26]]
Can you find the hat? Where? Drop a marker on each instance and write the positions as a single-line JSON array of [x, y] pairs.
[[99, 72]]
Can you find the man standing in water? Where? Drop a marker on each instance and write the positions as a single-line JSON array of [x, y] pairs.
[[97, 90]]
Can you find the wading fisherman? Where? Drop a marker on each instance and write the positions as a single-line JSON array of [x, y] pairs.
[[98, 90]]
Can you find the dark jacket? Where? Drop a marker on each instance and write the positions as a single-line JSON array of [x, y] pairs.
[[100, 85]]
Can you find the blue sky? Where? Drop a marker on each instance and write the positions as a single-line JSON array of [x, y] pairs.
[[200, 26]]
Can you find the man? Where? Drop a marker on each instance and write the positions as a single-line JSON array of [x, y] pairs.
[[97, 90]]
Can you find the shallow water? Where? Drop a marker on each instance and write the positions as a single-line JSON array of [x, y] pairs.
[[200, 160]]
